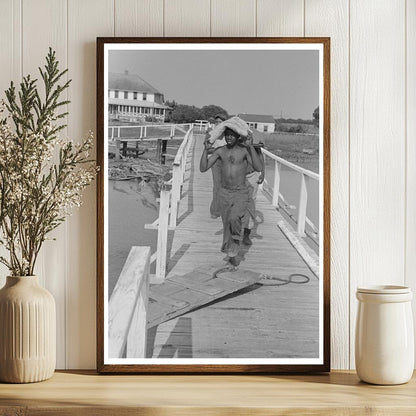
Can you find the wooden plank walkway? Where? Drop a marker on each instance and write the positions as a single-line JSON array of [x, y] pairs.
[[277, 320], [182, 293]]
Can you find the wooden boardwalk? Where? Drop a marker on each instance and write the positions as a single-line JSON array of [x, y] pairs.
[[276, 320]]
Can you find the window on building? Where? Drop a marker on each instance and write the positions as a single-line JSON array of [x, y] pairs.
[[265, 128], [135, 95], [144, 96], [115, 94], [126, 94]]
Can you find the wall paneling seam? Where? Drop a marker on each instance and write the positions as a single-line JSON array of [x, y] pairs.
[[304, 17], [210, 18], [21, 40], [67, 231], [349, 185], [405, 146]]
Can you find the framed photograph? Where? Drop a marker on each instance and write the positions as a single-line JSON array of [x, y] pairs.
[[213, 205]]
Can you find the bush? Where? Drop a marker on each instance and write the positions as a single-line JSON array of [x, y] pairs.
[[289, 129]]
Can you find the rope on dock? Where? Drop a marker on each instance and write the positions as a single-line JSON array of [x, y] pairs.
[[267, 279]]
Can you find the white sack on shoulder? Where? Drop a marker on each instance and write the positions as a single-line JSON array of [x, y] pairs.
[[235, 123]]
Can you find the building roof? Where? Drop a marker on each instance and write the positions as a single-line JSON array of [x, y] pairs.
[[129, 82], [256, 118], [136, 103]]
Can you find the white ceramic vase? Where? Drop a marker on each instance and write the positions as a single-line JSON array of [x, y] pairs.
[[27, 331], [384, 341]]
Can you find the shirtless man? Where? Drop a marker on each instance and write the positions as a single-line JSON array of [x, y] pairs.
[[235, 158], [216, 169]]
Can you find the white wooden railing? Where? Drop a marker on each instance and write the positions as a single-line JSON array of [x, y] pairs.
[[178, 175], [201, 126], [143, 133], [114, 132], [170, 196], [305, 176], [127, 308]]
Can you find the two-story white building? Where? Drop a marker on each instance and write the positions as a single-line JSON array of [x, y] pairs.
[[259, 122], [131, 98]]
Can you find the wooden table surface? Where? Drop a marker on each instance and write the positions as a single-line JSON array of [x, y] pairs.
[[86, 393]]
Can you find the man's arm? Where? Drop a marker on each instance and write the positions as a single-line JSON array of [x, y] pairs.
[[255, 161], [207, 143], [262, 172], [206, 162], [252, 157]]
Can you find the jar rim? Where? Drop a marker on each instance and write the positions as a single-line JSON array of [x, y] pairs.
[[384, 289]]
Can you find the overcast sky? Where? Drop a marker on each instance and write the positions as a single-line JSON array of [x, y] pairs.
[[258, 82]]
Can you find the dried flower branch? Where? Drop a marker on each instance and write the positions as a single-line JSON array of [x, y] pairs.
[[41, 176]]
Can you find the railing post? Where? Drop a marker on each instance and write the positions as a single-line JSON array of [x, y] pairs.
[[190, 139], [303, 202], [118, 143], [137, 336], [182, 168], [163, 153], [112, 133], [276, 184], [162, 233], [145, 131], [176, 194], [127, 307], [159, 150]]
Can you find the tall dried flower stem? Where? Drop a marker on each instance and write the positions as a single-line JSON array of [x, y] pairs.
[[36, 194]]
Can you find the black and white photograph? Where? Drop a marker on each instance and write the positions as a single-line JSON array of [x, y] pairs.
[[213, 201]]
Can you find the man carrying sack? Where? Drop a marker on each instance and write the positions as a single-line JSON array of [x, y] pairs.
[[236, 158]]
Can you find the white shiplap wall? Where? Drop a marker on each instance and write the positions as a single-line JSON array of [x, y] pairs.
[[373, 132]]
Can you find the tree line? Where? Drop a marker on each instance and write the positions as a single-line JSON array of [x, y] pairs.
[[182, 113]]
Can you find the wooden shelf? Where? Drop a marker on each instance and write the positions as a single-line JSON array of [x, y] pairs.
[[86, 393]]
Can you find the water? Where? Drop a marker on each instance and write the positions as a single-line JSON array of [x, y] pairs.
[[132, 204]]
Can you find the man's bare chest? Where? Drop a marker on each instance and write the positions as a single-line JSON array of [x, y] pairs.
[[234, 156]]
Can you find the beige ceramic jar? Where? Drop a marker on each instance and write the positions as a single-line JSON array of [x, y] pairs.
[[384, 342], [27, 331]]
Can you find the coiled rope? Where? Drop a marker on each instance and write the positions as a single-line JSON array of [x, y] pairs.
[[269, 280]]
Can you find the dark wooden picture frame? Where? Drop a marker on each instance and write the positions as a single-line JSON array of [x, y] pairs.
[[104, 365]]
